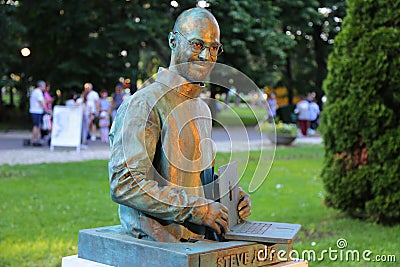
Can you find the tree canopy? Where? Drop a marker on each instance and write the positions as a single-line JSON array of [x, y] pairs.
[[72, 42]]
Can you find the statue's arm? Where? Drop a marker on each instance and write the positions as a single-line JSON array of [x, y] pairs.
[[134, 138]]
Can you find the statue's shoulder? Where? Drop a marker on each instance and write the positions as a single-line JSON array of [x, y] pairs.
[[147, 96], [149, 91]]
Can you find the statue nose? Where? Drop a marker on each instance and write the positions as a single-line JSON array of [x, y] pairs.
[[205, 55]]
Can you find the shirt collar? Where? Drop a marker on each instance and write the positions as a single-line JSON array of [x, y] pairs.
[[178, 83]]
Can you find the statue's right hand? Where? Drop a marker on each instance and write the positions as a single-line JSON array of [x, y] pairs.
[[217, 217]]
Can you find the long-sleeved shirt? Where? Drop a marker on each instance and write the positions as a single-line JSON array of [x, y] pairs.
[[160, 143]]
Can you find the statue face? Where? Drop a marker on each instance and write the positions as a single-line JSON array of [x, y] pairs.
[[199, 63]]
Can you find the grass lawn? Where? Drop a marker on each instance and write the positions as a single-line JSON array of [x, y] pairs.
[[44, 206], [248, 116]]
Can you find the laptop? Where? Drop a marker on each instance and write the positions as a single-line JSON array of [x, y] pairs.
[[265, 232]]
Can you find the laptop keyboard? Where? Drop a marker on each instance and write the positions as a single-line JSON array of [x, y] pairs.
[[253, 227]]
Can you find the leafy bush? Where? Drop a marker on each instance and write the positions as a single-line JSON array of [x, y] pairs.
[[360, 123]]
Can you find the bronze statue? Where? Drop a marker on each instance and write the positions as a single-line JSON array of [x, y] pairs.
[[158, 149]]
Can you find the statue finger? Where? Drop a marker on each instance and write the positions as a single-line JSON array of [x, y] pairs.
[[223, 225], [244, 213]]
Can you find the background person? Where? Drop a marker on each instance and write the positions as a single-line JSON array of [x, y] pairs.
[[92, 102], [303, 112], [72, 99], [86, 115], [271, 107], [47, 116], [314, 116], [104, 102], [37, 108], [117, 98], [104, 125], [48, 99]]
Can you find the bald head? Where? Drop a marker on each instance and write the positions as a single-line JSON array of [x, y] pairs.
[[196, 31], [194, 17]]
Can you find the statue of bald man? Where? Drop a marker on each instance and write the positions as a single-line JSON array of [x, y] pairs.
[[159, 148]]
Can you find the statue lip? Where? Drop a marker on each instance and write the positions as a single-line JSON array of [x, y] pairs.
[[203, 63]]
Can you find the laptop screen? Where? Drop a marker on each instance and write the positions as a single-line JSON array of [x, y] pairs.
[[228, 181]]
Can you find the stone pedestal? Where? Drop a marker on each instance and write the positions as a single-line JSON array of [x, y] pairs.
[[75, 261], [110, 246]]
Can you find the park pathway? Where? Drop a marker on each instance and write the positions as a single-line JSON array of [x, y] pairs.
[[13, 152]]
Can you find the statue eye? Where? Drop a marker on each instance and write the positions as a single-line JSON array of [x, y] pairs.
[[213, 49], [197, 45]]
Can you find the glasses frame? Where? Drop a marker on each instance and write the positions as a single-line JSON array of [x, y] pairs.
[[191, 43]]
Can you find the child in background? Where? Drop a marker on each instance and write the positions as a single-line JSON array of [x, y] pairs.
[[104, 102], [104, 124]]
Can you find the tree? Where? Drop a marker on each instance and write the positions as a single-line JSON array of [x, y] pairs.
[[295, 18], [361, 120], [312, 24], [73, 43], [251, 41], [101, 41], [10, 32], [325, 29]]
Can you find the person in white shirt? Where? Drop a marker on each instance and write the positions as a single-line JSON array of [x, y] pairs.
[[271, 108], [92, 103], [314, 116], [303, 112], [36, 109]]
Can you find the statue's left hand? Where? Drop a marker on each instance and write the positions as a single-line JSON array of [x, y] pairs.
[[244, 205]]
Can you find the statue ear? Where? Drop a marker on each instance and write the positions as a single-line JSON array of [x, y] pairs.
[[171, 40]]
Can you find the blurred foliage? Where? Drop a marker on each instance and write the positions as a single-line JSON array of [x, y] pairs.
[[72, 42], [313, 25], [361, 120]]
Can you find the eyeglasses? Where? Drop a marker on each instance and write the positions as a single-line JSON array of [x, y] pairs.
[[198, 46]]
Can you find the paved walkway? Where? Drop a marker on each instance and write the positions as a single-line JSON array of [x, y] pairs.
[[12, 150]]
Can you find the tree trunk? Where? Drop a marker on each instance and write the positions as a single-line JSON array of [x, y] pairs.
[[289, 80], [24, 96], [11, 97], [1, 98]]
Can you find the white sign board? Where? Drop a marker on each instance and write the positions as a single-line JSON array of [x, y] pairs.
[[67, 127]]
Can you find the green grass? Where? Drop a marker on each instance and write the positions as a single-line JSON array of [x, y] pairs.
[[44, 206], [248, 116]]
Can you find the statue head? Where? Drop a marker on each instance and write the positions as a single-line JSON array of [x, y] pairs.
[[195, 44]]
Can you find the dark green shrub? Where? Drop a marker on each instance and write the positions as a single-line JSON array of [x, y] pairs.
[[285, 113], [361, 121]]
